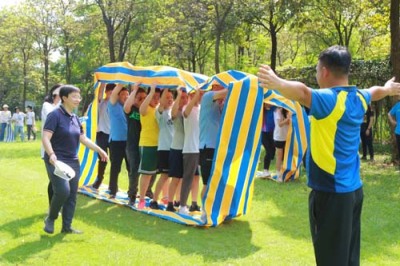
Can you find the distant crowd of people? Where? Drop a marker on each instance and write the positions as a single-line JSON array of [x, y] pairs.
[[12, 125]]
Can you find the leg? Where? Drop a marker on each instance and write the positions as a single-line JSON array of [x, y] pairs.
[[2, 131], [264, 142], [370, 142], [68, 209], [332, 216], [363, 141], [279, 160], [190, 162], [28, 129], [117, 151], [102, 142], [398, 146], [270, 151], [133, 156]]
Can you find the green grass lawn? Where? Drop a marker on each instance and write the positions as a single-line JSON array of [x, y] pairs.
[[274, 232]]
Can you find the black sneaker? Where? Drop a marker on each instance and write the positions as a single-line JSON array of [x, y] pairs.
[[48, 225], [154, 205], [177, 203], [149, 194], [132, 202], [170, 207], [71, 231], [194, 208]]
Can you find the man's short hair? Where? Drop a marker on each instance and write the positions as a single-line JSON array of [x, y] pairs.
[[110, 86], [337, 59]]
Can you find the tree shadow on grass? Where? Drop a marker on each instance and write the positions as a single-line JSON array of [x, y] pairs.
[[380, 232], [28, 249], [231, 240]]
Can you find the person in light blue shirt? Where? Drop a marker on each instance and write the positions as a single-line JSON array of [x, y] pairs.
[[394, 118], [337, 111], [210, 118]]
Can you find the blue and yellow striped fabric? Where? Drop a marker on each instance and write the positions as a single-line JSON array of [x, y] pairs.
[[230, 188]]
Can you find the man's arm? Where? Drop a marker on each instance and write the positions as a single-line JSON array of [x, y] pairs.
[[191, 104], [131, 99], [391, 88], [114, 94], [146, 102], [101, 92], [175, 106], [163, 101], [220, 94], [292, 90]]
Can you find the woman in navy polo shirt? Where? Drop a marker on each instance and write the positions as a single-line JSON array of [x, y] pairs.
[[62, 133]]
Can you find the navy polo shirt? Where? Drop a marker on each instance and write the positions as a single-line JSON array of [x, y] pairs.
[[66, 131]]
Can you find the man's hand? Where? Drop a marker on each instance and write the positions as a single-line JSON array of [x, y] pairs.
[[268, 78]]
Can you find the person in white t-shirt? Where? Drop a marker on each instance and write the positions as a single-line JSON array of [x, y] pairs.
[[5, 117], [18, 119], [191, 153], [282, 120], [30, 122]]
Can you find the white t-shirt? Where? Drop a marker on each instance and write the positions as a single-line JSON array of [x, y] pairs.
[[166, 126], [18, 118], [103, 123], [280, 133], [5, 116], [30, 118], [179, 133], [192, 131]]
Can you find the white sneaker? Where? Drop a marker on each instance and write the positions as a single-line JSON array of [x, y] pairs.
[[266, 173], [184, 210]]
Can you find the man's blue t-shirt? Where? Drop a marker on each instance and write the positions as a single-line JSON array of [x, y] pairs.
[[395, 112], [336, 117], [118, 122], [66, 131], [210, 118]]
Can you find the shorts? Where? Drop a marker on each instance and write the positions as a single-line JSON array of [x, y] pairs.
[[279, 144], [175, 163], [148, 162], [206, 160], [163, 162]]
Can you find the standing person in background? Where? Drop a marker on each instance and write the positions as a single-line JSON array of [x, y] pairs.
[[336, 199], [394, 119], [5, 117], [30, 122], [18, 118], [103, 129], [282, 120], [51, 101], [367, 137], [62, 134], [118, 135], [267, 137]]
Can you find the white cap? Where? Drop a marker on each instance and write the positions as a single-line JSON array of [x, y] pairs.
[[5, 106], [56, 91]]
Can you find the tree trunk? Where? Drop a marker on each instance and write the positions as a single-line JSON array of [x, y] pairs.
[[274, 46], [217, 43]]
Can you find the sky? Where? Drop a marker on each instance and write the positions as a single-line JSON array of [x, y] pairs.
[[8, 2]]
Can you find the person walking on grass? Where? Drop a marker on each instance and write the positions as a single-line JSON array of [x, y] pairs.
[[62, 134], [337, 111]]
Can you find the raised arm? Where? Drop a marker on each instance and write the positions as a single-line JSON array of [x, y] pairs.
[[131, 99], [292, 90], [192, 103], [143, 108], [220, 94], [391, 88], [101, 92], [114, 94], [163, 101], [175, 106]]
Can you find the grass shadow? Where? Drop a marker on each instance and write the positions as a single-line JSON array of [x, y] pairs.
[[229, 240]]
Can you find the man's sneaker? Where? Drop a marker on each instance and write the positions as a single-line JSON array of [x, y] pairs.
[[277, 178], [132, 202], [170, 207], [184, 210], [194, 208], [149, 194], [266, 173], [48, 225], [177, 203], [154, 205], [141, 204], [71, 231]]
